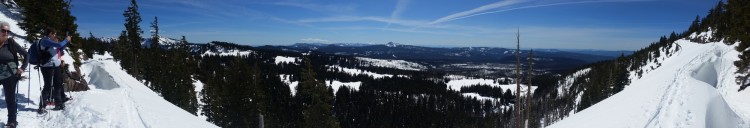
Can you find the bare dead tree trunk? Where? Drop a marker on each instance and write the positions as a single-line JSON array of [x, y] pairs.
[[518, 117]]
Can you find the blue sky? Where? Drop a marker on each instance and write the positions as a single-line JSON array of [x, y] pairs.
[[566, 24]]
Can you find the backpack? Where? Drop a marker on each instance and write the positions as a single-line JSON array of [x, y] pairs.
[[37, 55]]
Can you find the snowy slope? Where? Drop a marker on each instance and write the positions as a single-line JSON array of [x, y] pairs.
[[115, 100], [693, 88]]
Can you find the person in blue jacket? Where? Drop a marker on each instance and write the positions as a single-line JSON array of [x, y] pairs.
[[51, 71], [10, 73]]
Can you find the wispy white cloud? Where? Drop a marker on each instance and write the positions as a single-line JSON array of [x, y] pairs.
[[400, 8], [362, 18], [214, 10], [404, 24], [545, 5], [314, 40], [433, 32], [480, 9], [329, 8], [282, 20], [494, 6]]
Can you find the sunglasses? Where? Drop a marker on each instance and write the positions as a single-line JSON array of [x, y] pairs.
[[4, 30]]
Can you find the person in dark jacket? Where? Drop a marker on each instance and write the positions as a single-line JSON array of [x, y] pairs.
[[10, 73], [51, 70]]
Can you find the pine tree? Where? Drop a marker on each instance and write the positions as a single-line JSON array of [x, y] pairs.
[[738, 30], [183, 82], [155, 33], [40, 14], [316, 100], [695, 26], [90, 46], [133, 29], [528, 86], [120, 50], [151, 63]]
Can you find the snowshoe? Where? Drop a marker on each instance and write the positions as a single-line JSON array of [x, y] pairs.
[[41, 111]]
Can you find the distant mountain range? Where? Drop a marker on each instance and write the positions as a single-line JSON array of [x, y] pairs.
[[544, 58]]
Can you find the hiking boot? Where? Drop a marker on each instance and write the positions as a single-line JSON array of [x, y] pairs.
[[65, 99]]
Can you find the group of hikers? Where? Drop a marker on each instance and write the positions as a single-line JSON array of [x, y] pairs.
[[48, 59]]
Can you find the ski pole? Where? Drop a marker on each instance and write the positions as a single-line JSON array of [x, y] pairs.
[[16, 99], [28, 89], [40, 83]]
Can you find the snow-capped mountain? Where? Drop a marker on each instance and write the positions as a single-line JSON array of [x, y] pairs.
[[163, 42], [693, 88], [314, 45], [221, 49]]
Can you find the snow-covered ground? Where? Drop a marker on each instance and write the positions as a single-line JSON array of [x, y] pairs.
[[334, 84], [457, 84], [292, 84], [285, 59], [355, 72], [115, 100], [228, 53], [198, 88], [458, 81], [693, 88], [480, 97], [397, 64]]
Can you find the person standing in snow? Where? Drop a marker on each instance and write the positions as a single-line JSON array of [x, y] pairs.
[[10, 73], [51, 71]]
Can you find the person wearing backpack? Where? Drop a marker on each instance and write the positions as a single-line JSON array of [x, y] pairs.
[[51, 71], [10, 73]]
